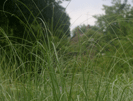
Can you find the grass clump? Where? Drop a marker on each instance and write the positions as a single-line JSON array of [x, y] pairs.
[[48, 72]]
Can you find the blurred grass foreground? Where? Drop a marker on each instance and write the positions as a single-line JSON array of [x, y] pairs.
[[39, 61]]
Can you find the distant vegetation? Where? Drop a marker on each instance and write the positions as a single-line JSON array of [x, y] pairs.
[[22, 19], [39, 61]]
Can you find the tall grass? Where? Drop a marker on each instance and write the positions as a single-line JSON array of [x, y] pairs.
[[50, 71]]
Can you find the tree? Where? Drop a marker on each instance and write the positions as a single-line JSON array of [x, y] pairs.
[[20, 14], [112, 21]]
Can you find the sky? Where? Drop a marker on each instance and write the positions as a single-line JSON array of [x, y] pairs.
[[82, 11]]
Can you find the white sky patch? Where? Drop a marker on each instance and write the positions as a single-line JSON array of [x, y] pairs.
[[82, 11]]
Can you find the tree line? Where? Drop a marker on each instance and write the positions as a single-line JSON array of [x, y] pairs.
[[18, 16]]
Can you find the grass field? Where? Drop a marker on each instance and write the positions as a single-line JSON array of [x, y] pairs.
[[55, 75], [53, 69]]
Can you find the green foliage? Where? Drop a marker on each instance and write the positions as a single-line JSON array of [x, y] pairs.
[[19, 17], [112, 22]]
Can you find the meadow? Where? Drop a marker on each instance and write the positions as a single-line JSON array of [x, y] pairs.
[[56, 73]]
